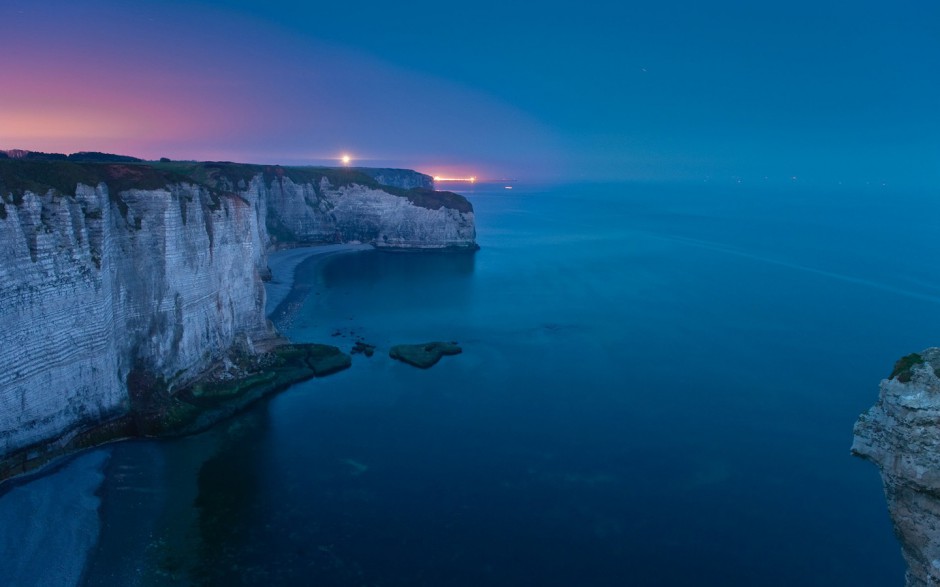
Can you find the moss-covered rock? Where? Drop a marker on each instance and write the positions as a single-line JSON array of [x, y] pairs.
[[325, 359], [424, 355]]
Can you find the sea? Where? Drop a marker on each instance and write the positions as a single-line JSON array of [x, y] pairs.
[[657, 388]]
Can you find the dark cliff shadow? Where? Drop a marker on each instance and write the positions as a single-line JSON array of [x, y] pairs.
[[229, 502]]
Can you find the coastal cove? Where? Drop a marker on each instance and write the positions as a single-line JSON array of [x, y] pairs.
[[136, 286], [649, 375]]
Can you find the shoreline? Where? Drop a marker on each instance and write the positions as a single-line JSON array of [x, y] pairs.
[[81, 474], [36, 461], [283, 265]]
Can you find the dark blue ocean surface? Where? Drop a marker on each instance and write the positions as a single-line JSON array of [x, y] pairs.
[[658, 387]]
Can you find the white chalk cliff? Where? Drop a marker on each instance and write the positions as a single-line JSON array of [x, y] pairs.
[[162, 273]]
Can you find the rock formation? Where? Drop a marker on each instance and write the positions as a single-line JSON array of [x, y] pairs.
[[424, 355], [901, 435], [110, 268]]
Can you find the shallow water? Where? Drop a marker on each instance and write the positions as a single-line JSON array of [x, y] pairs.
[[49, 525], [658, 387]]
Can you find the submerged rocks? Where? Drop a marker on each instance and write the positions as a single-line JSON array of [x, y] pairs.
[[424, 355], [363, 348], [901, 435]]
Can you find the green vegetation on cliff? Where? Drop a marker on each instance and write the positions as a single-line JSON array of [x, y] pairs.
[[19, 176], [902, 369], [155, 411], [43, 172]]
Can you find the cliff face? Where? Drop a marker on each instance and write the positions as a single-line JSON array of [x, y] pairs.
[[135, 269], [901, 435], [92, 287], [322, 212]]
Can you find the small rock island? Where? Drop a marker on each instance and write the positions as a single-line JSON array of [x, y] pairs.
[[424, 355]]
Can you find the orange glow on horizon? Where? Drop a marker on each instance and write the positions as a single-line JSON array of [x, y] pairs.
[[471, 179]]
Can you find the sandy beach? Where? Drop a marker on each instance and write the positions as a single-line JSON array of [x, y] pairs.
[[284, 263]]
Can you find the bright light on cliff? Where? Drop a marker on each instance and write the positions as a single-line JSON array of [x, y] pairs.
[[345, 159]]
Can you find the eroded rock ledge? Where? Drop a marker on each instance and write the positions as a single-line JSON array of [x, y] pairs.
[[901, 435], [157, 409]]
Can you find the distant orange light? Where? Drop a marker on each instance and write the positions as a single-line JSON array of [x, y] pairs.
[[345, 159], [471, 179]]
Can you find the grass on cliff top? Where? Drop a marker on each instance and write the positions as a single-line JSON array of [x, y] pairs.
[[903, 368], [220, 173], [20, 176], [433, 199]]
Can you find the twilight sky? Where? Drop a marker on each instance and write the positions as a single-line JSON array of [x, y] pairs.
[[824, 90]]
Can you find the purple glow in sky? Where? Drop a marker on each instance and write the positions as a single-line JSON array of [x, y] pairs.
[[217, 86], [677, 90]]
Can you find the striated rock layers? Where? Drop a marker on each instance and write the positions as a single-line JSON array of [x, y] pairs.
[[901, 435], [416, 219], [110, 269]]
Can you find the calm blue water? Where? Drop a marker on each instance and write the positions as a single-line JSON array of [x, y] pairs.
[[658, 387]]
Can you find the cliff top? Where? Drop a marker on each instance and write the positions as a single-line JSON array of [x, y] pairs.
[[87, 156], [40, 172]]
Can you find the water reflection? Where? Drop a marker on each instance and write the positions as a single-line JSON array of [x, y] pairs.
[[228, 503]]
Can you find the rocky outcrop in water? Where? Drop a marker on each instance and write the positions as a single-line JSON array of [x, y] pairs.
[[901, 435], [111, 269], [424, 355]]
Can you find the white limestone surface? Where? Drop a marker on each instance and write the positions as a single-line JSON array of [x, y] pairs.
[[88, 292]]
